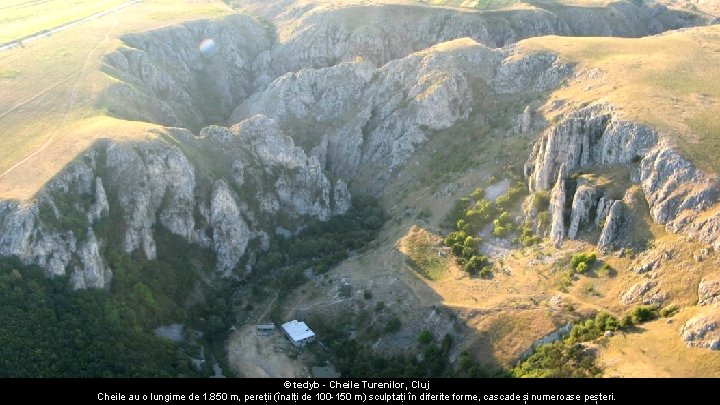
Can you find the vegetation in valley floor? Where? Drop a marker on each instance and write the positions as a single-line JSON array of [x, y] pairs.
[[347, 341], [317, 248], [471, 214]]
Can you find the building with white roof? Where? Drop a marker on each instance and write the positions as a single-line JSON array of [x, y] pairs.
[[298, 333]]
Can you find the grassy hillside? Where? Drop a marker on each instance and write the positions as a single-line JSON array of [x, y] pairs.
[[21, 18], [502, 4], [651, 81], [49, 88]]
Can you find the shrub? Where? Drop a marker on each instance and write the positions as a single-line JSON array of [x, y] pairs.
[[513, 194], [581, 267], [502, 225], [642, 314], [527, 237], [475, 264], [478, 194], [479, 215], [541, 201], [669, 311], [543, 220], [581, 262], [503, 201], [424, 213], [626, 322], [393, 325], [456, 212], [426, 337], [367, 294], [605, 321]]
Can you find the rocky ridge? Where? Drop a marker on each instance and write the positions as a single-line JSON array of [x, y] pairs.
[[170, 76], [339, 32], [679, 195], [335, 97], [259, 179]]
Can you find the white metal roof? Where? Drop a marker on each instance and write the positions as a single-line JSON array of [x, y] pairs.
[[298, 331]]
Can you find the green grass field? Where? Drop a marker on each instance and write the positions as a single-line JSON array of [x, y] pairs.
[[21, 18]]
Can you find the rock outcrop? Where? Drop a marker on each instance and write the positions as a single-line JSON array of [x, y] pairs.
[[615, 228], [709, 290], [679, 195], [258, 177], [703, 330], [643, 293], [583, 207], [189, 75], [557, 209], [592, 136]]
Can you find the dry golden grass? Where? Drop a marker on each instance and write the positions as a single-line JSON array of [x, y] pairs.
[[504, 4], [48, 92], [667, 81], [656, 350], [20, 18], [426, 253]]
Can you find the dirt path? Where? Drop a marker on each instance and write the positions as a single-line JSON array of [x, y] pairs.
[[269, 307]]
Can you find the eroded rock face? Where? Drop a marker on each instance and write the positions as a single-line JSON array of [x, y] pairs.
[[592, 136], [50, 231], [324, 33], [557, 209], [171, 77], [230, 233], [354, 115], [703, 330], [678, 194], [374, 113], [584, 202], [615, 228], [709, 290], [259, 175]]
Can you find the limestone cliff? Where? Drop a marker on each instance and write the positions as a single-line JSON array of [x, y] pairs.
[[219, 190], [678, 194], [361, 116], [188, 75]]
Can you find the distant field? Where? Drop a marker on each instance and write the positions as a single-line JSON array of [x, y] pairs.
[[20, 18], [48, 89]]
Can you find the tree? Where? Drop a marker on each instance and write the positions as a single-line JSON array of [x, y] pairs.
[[426, 337], [475, 264]]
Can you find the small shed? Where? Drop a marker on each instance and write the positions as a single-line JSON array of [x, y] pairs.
[[265, 329], [298, 333]]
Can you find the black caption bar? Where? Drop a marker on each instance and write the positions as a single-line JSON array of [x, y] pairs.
[[371, 391]]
